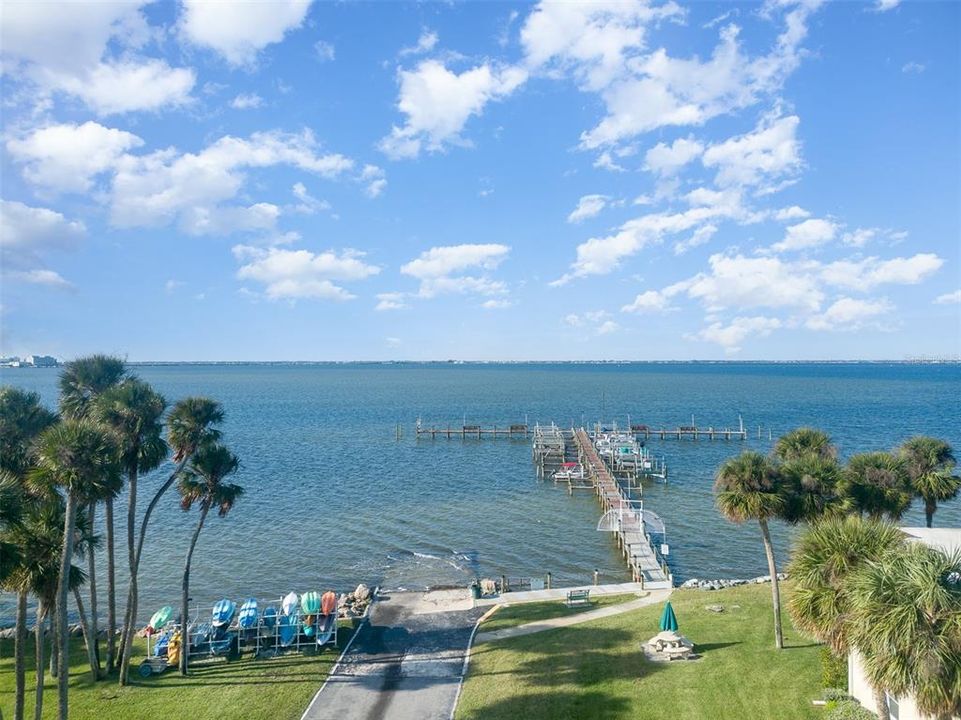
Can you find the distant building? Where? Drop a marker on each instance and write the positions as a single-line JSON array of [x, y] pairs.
[[10, 361], [900, 708], [41, 360]]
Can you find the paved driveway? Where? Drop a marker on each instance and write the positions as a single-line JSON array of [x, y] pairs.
[[405, 664]]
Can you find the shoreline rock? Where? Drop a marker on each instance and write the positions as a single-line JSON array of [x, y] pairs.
[[722, 583]]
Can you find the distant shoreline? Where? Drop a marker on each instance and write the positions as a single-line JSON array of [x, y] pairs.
[[143, 363]]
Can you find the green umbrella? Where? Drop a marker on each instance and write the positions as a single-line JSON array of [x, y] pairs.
[[668, 618]]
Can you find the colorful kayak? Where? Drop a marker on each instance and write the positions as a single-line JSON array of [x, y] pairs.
[[310, 602], [223, 612], [289, 621], [159, 619], [310, 605], [288, 626], [247, 618], [328, 603], [270, 616], [326, 627], [289, 604], [221, 640]]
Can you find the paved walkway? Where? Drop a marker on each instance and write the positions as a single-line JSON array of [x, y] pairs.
[[561, 593], [406, 664], [655, 597]]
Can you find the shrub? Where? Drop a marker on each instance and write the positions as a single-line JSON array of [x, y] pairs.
[[834, 670], [835, 694], [848, 710]]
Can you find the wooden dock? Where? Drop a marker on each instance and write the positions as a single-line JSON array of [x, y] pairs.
[[627, 517], [523, 431]]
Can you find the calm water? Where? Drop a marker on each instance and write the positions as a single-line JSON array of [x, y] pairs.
[[334, 498]]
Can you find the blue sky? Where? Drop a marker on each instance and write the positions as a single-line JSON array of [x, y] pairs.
[[339, 181]]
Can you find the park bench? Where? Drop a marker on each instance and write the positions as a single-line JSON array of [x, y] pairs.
[[578, 597]]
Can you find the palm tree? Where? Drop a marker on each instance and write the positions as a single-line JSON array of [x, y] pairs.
[[190, 425], [823, 559], [82, 381], [747, 487], [804, 442], [929, 463], [876, 484], [22, 418], [906, 625], [78, 456], [202, 482], [42, 538], [811, 483], [134, 412]]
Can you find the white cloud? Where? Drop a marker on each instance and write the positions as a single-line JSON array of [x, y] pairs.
[[810, 233], [325, 51], [769, 151], [246, 101], [848, 314], [308, 204], [375, 179], [43, 277], [607, 327], [701, 236], [668, 159], [238, 31], [745, 282], [393, 342], [391, 301], [121, 87], [912, 67], [791, 213], [587, 207], [605, 161], [439, 270], [425, 43], [67, 158], [650, 301], [439, 102], [950, 298], [870, 272], [165, 186], [66, 47], [659, 90], [591, 40], [885, 5], [293, 274], [732, 335], [27, 230], [858, 237], [601, 255], [496, 304], [228, 220]]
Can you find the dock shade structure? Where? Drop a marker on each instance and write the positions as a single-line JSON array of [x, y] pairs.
[[668, 618]]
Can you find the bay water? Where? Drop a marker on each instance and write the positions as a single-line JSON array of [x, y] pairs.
[[336, 496]]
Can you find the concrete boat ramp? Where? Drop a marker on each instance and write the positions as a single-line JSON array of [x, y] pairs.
[[408, 662], [405, 664]]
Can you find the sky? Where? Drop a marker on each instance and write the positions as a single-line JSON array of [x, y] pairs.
[[481, 181]]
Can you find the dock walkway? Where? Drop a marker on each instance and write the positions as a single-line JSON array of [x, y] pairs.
[[633, 541]]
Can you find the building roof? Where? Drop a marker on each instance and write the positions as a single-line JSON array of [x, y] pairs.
[[945, 539]]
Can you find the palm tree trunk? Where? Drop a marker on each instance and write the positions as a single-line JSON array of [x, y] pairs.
[[19, 656], [775, 590], [88, 639], [185, 598], [63, 638], [929, 507], [132, 598], [92, 583], [881, 700], [111, 591], [38, 636]]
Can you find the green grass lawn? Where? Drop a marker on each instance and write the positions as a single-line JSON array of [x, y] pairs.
[[275, 688], [598, 670], [523, 613]]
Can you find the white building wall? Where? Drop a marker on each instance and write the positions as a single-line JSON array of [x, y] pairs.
[[860, 689]]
